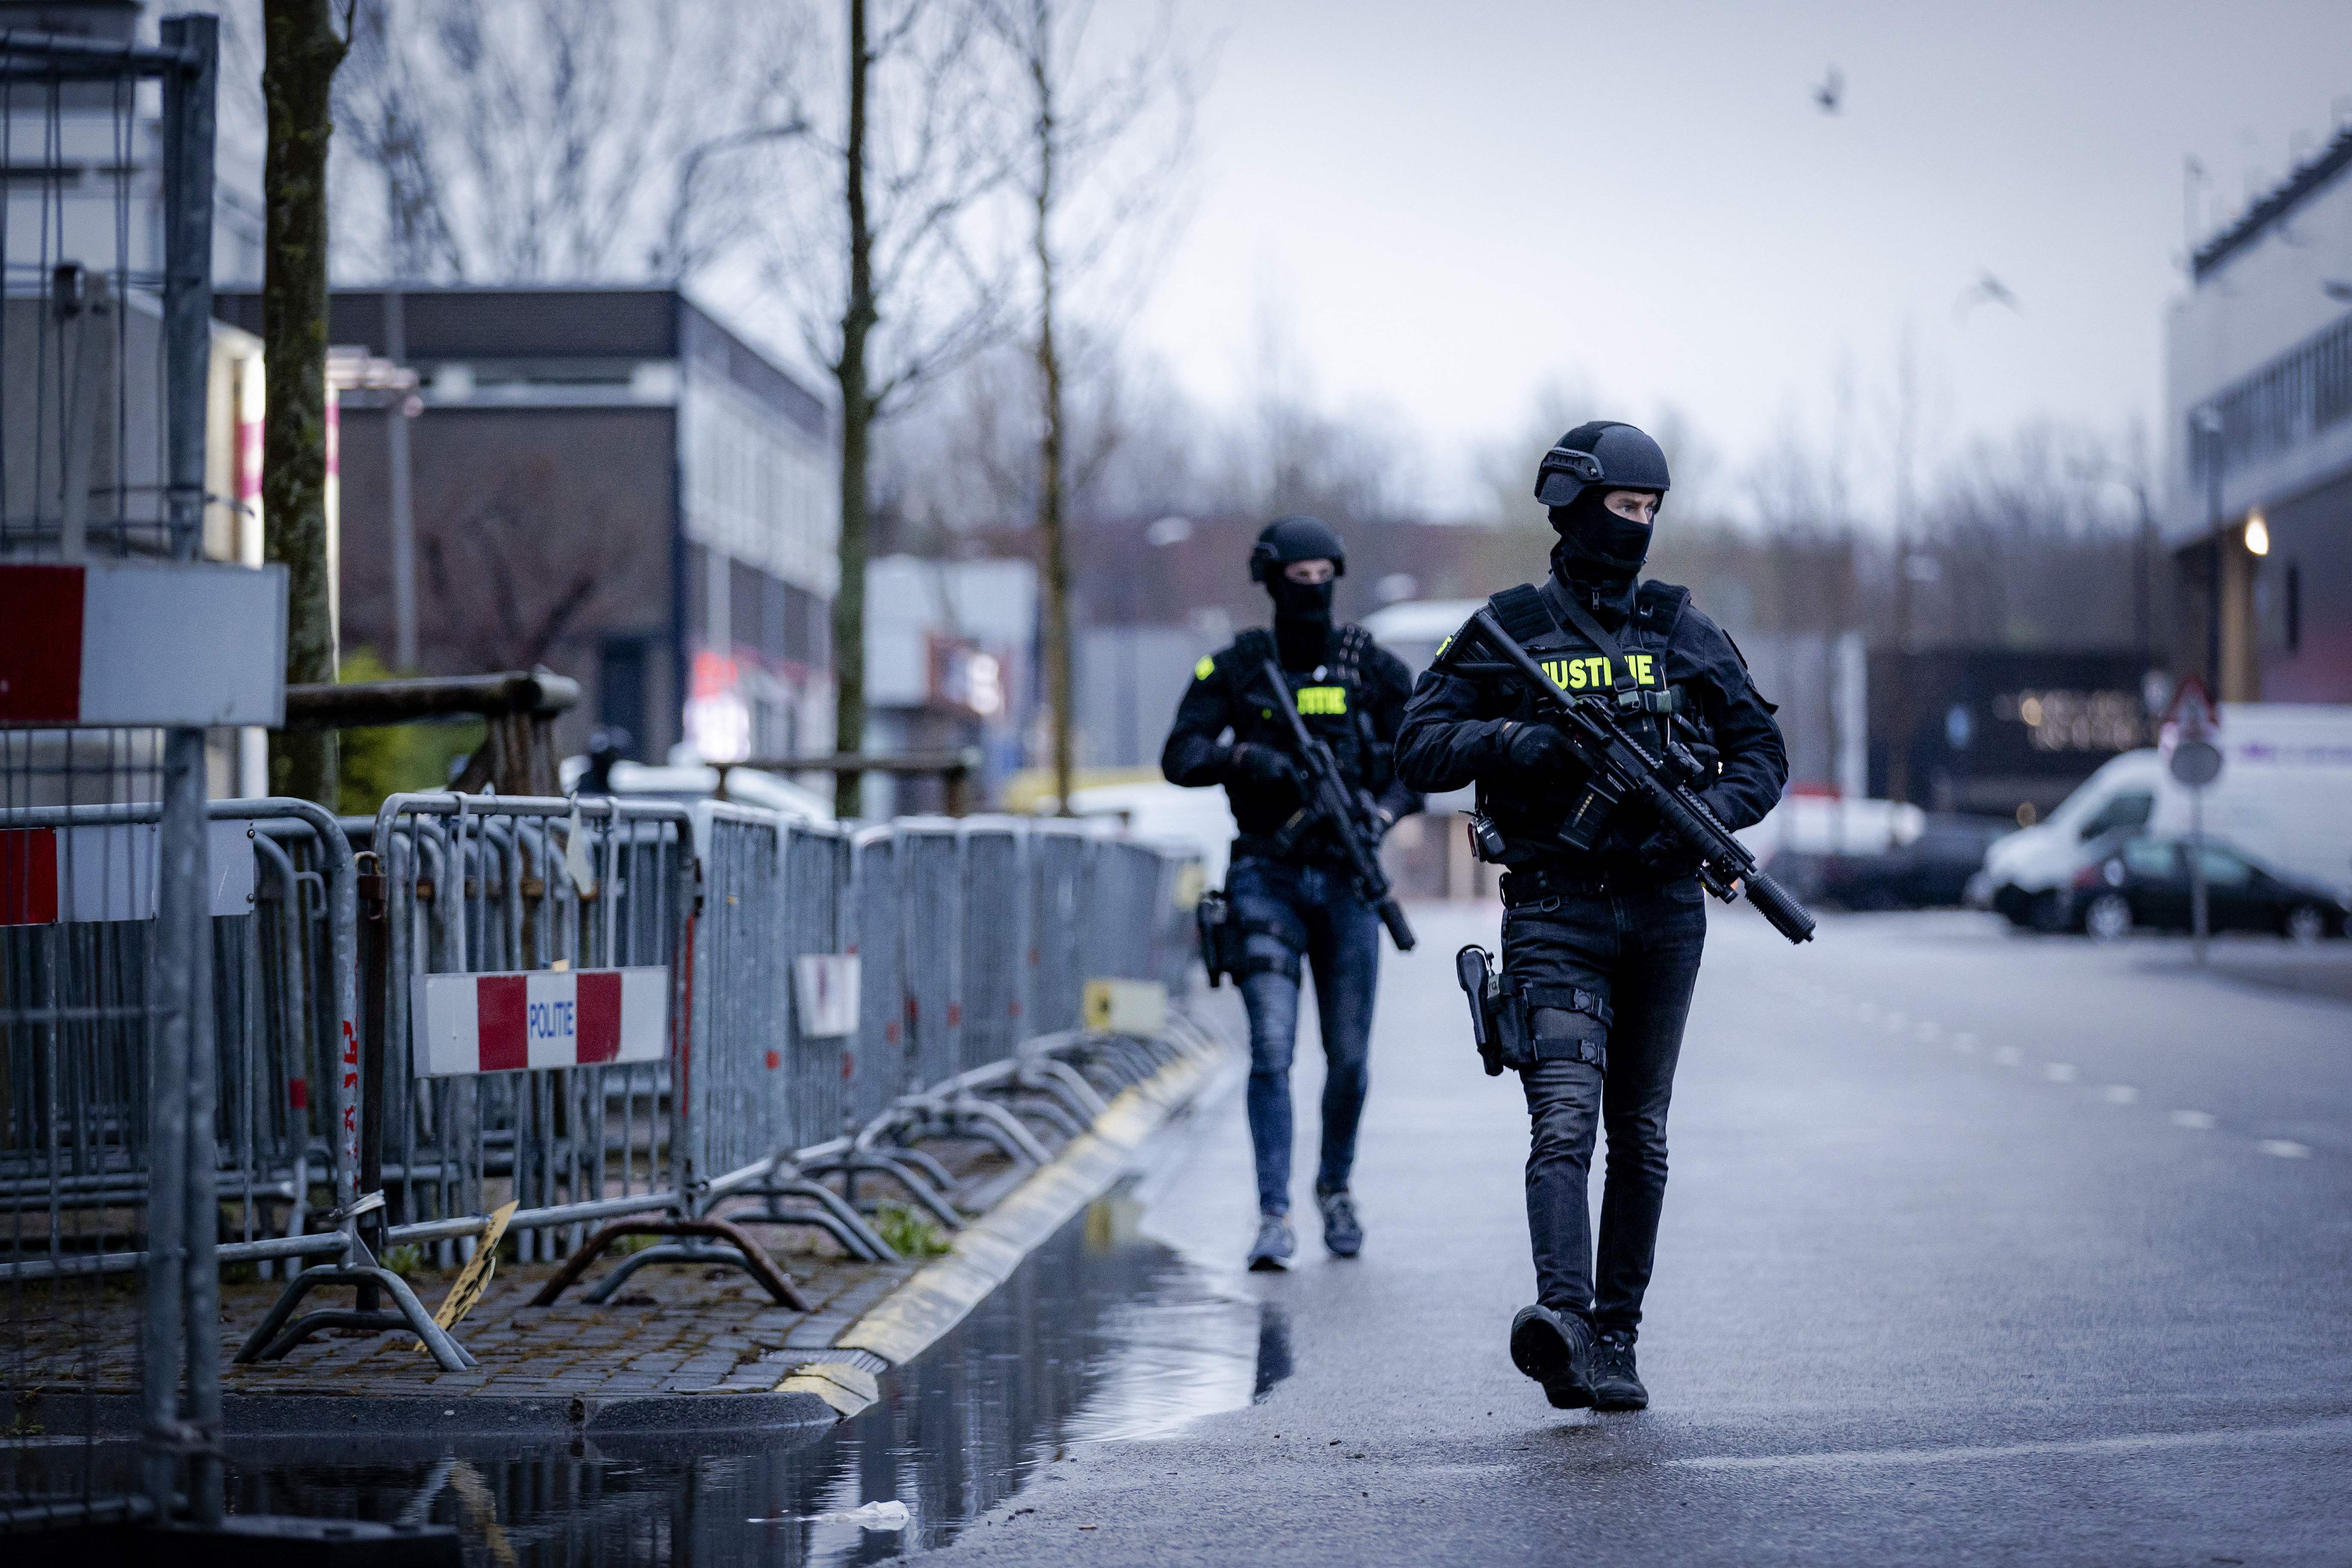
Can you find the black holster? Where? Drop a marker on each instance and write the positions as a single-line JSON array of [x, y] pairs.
[[1221, 937], [1517, 1026], [1474, 967]]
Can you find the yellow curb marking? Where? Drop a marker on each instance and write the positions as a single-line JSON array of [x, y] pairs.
[[848, 1389], [984, 1255]]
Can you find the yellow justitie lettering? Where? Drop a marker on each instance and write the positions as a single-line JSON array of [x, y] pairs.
[[1324, 701], [1642, 668]]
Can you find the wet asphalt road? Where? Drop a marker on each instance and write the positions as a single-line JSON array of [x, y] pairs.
[[1977, 1248]]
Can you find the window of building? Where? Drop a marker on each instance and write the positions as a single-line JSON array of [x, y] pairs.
[[2303, 392]]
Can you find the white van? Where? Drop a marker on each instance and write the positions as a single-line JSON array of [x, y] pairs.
[[2285, 796]]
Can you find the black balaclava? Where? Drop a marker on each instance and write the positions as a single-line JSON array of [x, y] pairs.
[[1302, 619], [1599, 553]]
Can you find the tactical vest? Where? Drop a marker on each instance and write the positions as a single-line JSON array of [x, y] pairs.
[[1329, 699], [1634, 678]]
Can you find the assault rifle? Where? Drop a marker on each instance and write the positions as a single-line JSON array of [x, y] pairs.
[[1329, 804], [1622, 766]]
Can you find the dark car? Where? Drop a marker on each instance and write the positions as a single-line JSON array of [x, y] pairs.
[[1932, 869], [2138, 881]]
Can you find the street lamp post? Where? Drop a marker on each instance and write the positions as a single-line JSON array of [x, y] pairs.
[[2208, 426]]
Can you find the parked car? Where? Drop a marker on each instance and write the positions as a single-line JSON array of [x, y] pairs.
[[691, 782], [2142, 881], [2286, 768], [1931, 869]]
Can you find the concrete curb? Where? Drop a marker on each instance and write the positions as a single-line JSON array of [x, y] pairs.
[[814, 1395], [912, 1317]]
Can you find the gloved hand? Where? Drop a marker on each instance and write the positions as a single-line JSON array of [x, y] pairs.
[[1262, 765], [1664, 851], [1536, 749]]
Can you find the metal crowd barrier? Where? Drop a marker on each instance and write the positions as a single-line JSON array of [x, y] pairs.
[[74, 1161], [730, 1096], [468, 886]]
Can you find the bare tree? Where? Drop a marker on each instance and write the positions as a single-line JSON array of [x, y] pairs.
[[520, 140], [882, 253], [516, 579], [1093, 190], [965, 461], [2027, 542], [303, 48]]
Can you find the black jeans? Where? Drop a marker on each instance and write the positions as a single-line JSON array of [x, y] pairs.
[[1295, 910], [1639, 947]]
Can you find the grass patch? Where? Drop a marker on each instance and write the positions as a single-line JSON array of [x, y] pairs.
[[910, 1232]]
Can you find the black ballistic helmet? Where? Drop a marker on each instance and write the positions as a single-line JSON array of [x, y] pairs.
[[1289, 539], [1606, 453]]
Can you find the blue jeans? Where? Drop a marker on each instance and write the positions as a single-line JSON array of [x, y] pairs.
[[1289, 911], [1639, 947]]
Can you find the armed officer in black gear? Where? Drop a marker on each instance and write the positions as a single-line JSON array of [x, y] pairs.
[[1601, 948], [1298, 902]]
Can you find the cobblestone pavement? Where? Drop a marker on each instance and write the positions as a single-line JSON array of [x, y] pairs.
[[673, 1328], [676, 1329]]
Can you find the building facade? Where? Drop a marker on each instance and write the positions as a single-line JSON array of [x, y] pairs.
[[606, 482], [950, 664], [2259, 445]]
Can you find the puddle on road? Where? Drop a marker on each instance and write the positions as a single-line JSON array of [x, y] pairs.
[[1101, 1335]]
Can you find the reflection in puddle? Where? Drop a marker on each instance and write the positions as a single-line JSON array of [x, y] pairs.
[[1273, 1351], [1101, 1335]]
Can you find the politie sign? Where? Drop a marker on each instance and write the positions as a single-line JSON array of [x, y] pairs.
[[540, 1018]]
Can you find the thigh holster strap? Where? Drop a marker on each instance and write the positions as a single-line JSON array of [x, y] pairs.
[[1562, 998], [1264, 952], [1566, 1025]]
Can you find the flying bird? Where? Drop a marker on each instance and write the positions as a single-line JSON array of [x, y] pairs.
[[1986, 290], [1832, 91]]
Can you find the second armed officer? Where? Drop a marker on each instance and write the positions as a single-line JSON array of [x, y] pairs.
[[1292, 898]]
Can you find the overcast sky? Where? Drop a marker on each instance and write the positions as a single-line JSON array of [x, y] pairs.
[[1450, 205]]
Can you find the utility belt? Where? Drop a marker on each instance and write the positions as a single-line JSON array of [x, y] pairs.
[[1525, 885], [1516, 1024], [1313, 851]]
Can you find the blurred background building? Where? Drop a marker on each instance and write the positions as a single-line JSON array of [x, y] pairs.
[[950, 656], [2258, 399], [604, 480]]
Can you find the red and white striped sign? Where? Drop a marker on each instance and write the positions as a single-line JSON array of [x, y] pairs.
[[136, 643], [110, 872], [461, 1023]]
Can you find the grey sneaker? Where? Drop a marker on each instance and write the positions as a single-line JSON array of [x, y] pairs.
[[1615, 1385], [1274, 1244], [1343, 1233], [1557, 1351]]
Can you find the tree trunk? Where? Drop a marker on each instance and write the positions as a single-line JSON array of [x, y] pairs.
[[1053, 531], [302, 51], [858, 320]]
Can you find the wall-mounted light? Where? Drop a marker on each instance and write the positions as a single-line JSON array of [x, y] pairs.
[[2258, 535]]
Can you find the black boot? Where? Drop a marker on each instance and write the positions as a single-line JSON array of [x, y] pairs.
[[1557, 1351], [1615, 1385]]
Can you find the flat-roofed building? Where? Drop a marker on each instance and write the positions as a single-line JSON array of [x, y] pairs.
[[2259, 444], [608, 482]]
